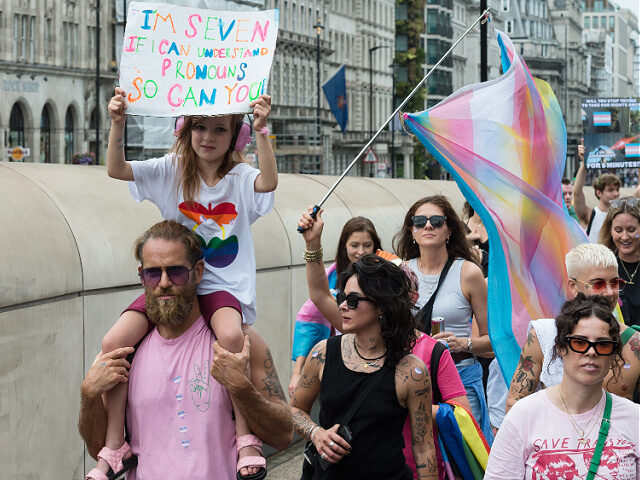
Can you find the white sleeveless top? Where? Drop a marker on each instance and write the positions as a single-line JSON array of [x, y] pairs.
[[450, 302], [596, 225], [546, 331]]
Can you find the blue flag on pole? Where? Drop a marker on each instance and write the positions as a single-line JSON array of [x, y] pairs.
[[335, 89]]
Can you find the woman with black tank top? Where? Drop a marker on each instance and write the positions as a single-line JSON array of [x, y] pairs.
[[378, 332]]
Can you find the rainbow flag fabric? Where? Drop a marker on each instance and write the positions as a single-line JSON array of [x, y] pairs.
[[504, 142]]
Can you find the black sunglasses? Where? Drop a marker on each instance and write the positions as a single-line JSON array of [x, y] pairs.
[[178, 274], [601, 347], [420, 221], [352, 299]]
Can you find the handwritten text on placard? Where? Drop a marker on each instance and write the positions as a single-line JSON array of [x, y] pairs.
[[189, 61]]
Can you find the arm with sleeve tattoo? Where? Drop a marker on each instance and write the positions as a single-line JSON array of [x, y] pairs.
[[307, 390], [261, 400], [418, 401], [527, 375]]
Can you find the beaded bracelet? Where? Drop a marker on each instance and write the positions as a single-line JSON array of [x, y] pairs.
[[314, 256], [313, 432]]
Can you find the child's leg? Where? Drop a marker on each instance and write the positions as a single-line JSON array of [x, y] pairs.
[[226, 323], [127, 331]]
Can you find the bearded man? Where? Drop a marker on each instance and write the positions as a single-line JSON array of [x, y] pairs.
[[179, 413]]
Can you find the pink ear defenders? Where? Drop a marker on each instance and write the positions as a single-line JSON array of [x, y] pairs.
[[243, 136], [242, 133]]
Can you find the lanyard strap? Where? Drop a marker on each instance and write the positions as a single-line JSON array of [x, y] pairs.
[[602, 436]]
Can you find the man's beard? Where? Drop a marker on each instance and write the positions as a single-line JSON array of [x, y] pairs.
[[170, 313]]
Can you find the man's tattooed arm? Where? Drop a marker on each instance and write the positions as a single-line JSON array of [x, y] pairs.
[[262, 401]]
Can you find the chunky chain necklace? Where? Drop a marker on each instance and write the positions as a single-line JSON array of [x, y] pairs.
[[368, 362], [630, 277], [581, 433]]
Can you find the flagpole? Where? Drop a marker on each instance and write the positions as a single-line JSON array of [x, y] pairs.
[[317, 207]]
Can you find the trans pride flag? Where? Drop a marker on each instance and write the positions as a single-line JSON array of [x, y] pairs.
[[504, 142]]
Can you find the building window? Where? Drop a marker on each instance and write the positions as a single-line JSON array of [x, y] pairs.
[[594, 24], [402, 43], [505, 5], [509, 26], [612, 23], [402, 12], [587, 22], [23, 38], [603, 23], [91, 34], [65, 40], [45, 136], [16, 40], [402, 74], [68, 136], [32, 33], [598, 5], [48, 39], [16, 127]]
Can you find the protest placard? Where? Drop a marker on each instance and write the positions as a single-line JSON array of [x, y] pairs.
[[190, 61], [611, 132]]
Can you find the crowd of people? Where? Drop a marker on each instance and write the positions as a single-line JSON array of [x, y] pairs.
[[389, 345]]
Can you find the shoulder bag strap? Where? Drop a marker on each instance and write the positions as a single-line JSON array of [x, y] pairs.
[[593, 215], [602, 436], [373, 382], [626, 335], [436, 353], [423, 317]]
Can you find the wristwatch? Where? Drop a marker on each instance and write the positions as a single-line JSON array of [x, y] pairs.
[[469, 344]]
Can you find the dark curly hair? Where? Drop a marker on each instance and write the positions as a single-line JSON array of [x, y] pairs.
[[457, 246], [388, 287], [353, 225], [582, 307]]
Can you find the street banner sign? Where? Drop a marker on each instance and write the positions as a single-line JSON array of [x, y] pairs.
[[611, 132], [189, 61]]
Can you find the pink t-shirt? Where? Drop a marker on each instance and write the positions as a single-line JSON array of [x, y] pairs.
[[179, 418], [450, 386], [538, 441]]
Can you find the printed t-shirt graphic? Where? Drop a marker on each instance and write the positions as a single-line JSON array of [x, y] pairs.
[[222, 217], [218, 252]]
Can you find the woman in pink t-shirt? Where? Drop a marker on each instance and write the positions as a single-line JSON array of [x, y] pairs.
[[553, 433]]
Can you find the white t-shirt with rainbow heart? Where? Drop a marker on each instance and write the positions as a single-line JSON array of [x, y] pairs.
[[221, 216]]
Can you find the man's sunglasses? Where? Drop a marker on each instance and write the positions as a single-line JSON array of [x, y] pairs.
[[618, 202], [601, 285], [420, 221], [601, 347], [178, 274], [352, 299]]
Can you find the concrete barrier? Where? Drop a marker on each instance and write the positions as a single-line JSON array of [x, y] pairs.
[[68, 270]]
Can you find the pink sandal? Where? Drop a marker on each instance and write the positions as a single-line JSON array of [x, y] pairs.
[[95, 474], [251, 461], [115, 460]]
